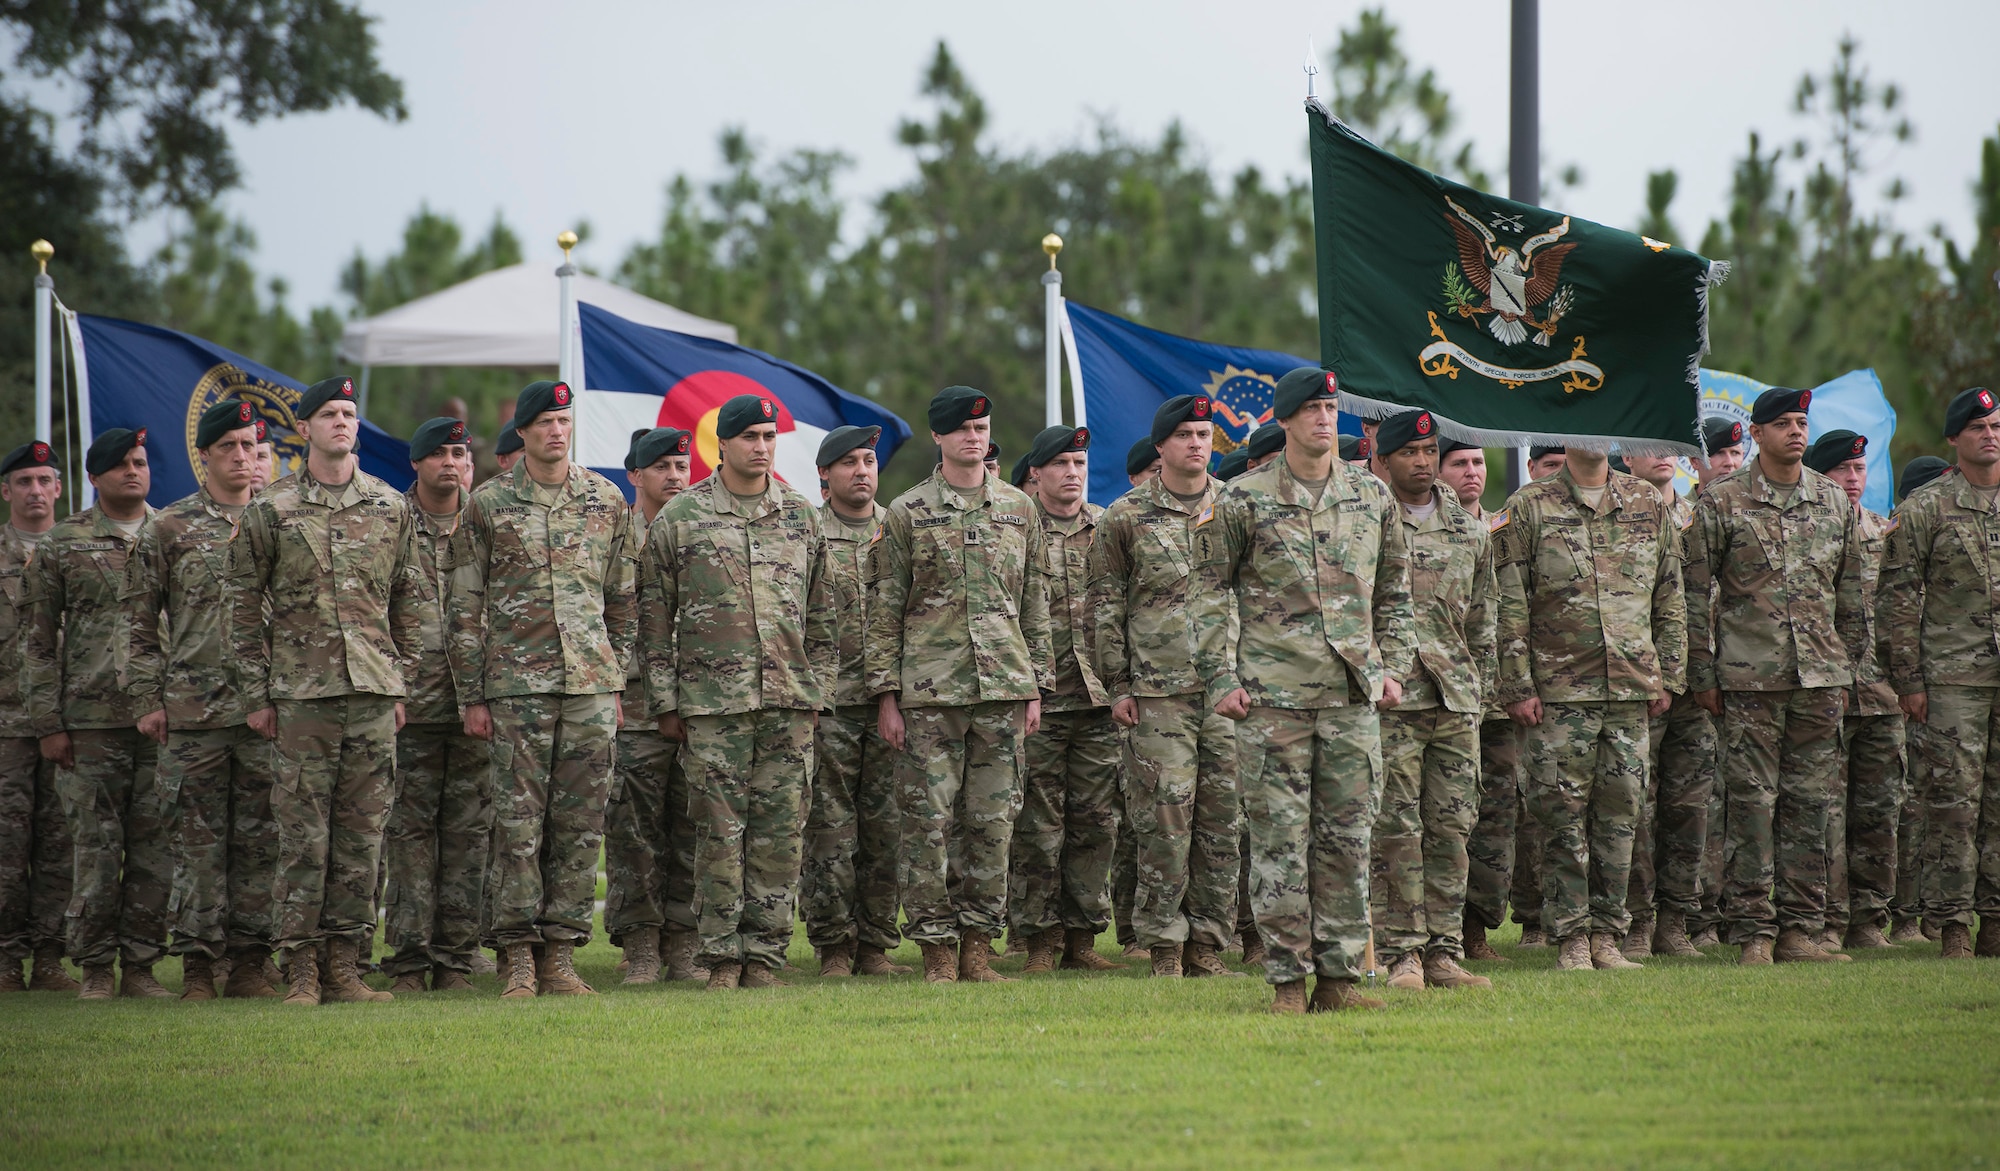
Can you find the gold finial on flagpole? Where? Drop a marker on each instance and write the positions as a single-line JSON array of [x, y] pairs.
[[566, 241], [1052, 244], [42, 250]]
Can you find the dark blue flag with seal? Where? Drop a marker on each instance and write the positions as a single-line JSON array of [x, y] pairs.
[[162, 380], [1129, 370]]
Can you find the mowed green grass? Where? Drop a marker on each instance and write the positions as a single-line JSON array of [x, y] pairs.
[[1893, 1060]]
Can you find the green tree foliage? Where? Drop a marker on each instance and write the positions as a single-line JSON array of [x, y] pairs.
[[1378, 91]]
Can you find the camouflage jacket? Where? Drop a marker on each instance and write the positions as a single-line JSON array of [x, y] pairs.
[[1939, 598], [339, 568], [16, 553], [433, 699], [179, 570], [78, 643], [1142, 574], [1590, 599], [1873, 694], [1787, 600], [1456, 599], [734, 609], [1317, 595], [847, 591], [541, 589], [957, 613], [1067, 544]]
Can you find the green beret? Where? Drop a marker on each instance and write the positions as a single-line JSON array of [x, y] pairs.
[[1354, 447], [1447, 445], [993, 453], [1266, 440], [1182, 408], [1051, 442], [108, 450], [538, 398], [1834, 448], [744, 412], [320, 393], [228, 415], [841, 440], [1299, 387], [1535, 453], [1019, 476], [1719, 433], [1618, 464], [1967, 405], [1402, 429], [1918, 472], [432, 434], [954, 406], [29, 455], [659, 443], [632, 447], [509, 441], [1144, 454], [1779, 400], [1233, 465]]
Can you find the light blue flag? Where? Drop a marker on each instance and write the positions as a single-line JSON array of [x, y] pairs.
[[1855, 402]]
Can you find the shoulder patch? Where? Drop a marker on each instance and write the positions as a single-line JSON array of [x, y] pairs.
[[1207, 514], [1894, 521], [1499, 520]]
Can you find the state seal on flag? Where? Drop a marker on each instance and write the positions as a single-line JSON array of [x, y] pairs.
[[1241, 399], [269, 403]]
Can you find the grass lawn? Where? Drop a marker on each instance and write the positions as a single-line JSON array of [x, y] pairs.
[[1893, 1060]]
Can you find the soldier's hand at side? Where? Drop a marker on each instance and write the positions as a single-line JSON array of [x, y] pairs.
[[264, 722], [1659, 705], [153, 726], [618, 710], [479, 721], [1527, 713], [1034, 717], [671, 728], [889, 722], [1917, 706], [1126, 712], [402, 715], [59, 750], [1710, 701], [1235, 705], [1392, 694]]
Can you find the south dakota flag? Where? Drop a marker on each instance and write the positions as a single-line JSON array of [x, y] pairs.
[[639, 376]]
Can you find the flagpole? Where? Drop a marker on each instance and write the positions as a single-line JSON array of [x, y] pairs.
[[1052, 330], [565, 331], [1524, 151], [45, 295]]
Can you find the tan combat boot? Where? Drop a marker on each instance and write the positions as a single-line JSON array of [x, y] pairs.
[[1638, 943], [1865, 937], [557, 972], [1798, 947], [725, 976], [1906, 931], [1956, 942], [1042, 952], [1829, 940], [1441, 970], [1406, 971], [247, 979], [975, 953], [1575, 955], [48, 974], [757, 974], [10, 976], [1205, 959], [1710, 936], [1166, 959], [197, 978], [835, 961], [1670, 937], [445, 979], [302, 977], [138, 981], [682, 951], [1533, 937], [99, 983], [482, 964], [642, 956], [408, 984], [1253, 947], [1339, 995], [1080, 953], [1132, 951], [1289, 998], [1476, 947], [343, 976], [874, 961], [1757, 952], [1987, 945], [1605, 956], [940, 963], [518, 966]]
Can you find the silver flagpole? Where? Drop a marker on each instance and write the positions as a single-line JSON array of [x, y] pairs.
[[565, 339], [45, 295], [1524, 152], [1052, 329]]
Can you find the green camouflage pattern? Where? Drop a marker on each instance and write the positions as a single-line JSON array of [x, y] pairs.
[[847, 550], [432, 698], [179, 573], [747, 775], [15, 555], [959, 798], [1873, 695], [1141, 571], [1781, 760], [335, 771], [1861, 823], [552, 768], [1524, 894], [36, 862], [1067, 830], [120, 827], [1489, 848], [854, 831], [76, 650], [1186, 810], [217, 782], [1066, 545], [1456, 599], [1937, 605], [1674, 831], [1908, 902], [1586, 772], [1430, 801], [1957, 777], [434, 848], [648, 838]]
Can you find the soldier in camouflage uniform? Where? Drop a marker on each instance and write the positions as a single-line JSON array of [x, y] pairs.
[[853, 829], [648, 837], [1723, 438], [1777, 540], [74, 658], [738, 627], [1906, 909], [441, 826], [1181, 792], [1938, 608], [1304, 625], [957, 657], [540, 615], [35, 863], [1430, 740], [215, 770], [1592, 639], [332, 548]]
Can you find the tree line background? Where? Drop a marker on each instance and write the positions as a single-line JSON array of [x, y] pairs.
[[939, 284]]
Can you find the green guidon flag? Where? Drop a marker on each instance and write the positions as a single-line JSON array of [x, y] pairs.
[[1513, 324]]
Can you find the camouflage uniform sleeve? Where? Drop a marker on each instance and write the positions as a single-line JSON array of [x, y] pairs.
[[888, 593], [1220, 540], [822, 632], [1482, 616], [469, 553], [659, 607], [406, 602], [41, 644], [1849, 622], [1395, 613], [249, 570], [1707, 539], [1899, 597], [621, 590], [1035, 607], [1670, 624], [140, 593], [1513, 578], [1110, 581]]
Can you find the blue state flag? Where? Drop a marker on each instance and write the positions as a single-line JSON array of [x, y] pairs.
[[1129, 370], [146, 376], [1852, 402], [642, 376]]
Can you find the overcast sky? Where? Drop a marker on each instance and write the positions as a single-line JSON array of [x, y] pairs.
[[549, 114]]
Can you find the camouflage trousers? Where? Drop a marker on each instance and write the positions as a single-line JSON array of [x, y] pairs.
[[1066, 835], [1489, 850], [1908, 902], [1714, 860], [1524, 894], [648, 838], [120, 825], [1586, 772], [218, 781], [435, 849], [1861, 823], [1124, 873], [1671, 839], [335, 766], [1959, 778], [747, 775], [1430, 800], [1783, 761], [551, 781], [854, 833], [959, 798], [1187, 822], [1311, 780], [36, 863]]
